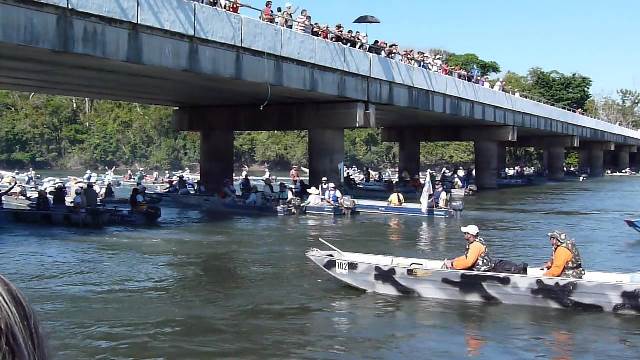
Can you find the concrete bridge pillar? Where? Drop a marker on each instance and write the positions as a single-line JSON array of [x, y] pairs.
[[554, 156], [326, 153], [609, 160], [409, 153], [486, 156], [596, 156], [622, 153], [634, 160], [501, 158], [584, 166], [216, 157]]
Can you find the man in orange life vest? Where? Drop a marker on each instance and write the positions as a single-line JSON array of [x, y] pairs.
[[566, 261], [477, 255]]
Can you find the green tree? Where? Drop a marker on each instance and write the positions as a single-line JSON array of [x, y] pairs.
[[569, 90], [466, 61]]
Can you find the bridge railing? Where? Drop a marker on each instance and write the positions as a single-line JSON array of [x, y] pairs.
[[205, 22]]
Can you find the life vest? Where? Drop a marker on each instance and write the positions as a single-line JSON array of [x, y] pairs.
[[333, 196], [573, 268], [484, 262], [283, 194]]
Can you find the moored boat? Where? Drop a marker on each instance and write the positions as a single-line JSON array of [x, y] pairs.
[[381, 191], [409, 209], [93, 218], [597, 291]]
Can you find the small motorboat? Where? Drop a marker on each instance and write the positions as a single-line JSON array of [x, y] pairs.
[[633, 223], [392, 275], [90, 217], [408, 209]]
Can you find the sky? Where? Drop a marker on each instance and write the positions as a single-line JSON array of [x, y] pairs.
[[599, 39]]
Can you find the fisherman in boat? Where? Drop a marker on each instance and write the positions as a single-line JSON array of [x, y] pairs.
[[297, 188], [254, 199], [333, 196], [245, 187], [42, 201], [3, 193], [477, 255], [108, 192], [87, 176], [267, 190], [79, 201], [285, 195], [59, 196], [314, 198], [324, 187], [91, 196], [396, 198], [182, 185], [566, 260], [294, 173], [136, 200], [439, 196], [139, 177], [457, 183], [228, 190]]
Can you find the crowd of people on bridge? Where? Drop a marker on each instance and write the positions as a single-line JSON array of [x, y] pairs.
[[288, 17]]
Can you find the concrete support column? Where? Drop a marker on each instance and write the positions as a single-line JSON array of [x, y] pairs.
[[622, 157], [609, 160], [486, 155], [554, 156], [409, 153], [596, 159], [501, 158], [216, 157], [326, 153], [634, 160], [584, 165]]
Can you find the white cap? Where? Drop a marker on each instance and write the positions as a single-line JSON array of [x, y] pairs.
[[324, 178], [332, 185], [287, 5], [471, 229]]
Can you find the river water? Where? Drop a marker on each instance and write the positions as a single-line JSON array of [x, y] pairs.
[[203, 287]]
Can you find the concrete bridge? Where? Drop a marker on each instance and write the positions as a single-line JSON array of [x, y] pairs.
[[224, 72]]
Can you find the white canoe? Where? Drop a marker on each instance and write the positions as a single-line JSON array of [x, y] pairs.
[[597, 291]]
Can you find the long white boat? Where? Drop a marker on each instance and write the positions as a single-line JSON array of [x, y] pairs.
[[391, 275], [408, 209]]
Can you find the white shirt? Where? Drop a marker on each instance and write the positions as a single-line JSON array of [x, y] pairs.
[[314, 200]]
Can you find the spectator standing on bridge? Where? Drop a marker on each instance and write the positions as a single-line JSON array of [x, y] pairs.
[[267, 13], [234, 6], [287, 16], [303, 22]]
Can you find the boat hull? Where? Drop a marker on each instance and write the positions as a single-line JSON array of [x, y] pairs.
[[420, 277], [407, 209], [91, 218]]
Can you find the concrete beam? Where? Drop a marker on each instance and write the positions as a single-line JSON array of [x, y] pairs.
[[276, 117], [548, 141], [481, 133]]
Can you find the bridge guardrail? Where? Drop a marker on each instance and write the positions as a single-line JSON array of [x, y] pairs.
[[192, 19]]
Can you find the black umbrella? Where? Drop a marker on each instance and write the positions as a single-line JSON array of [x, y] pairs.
[[366, 19]]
